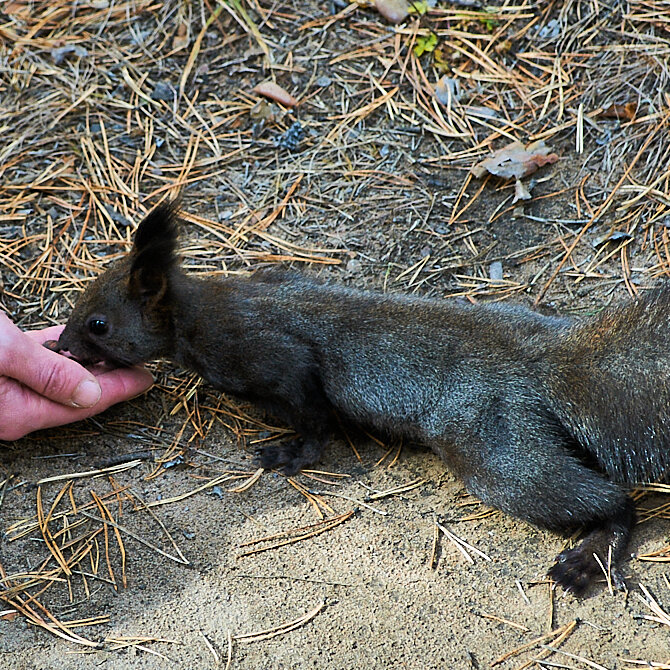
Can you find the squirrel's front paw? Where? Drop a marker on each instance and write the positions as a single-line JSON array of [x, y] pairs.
[[291, 456], [284, 456]]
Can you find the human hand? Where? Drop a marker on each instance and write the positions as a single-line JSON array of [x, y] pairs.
[[41, 389]]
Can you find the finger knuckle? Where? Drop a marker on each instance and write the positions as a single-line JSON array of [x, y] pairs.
[[5, 353], [53, 381]]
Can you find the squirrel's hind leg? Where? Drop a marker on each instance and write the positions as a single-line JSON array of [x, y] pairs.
[[515, 456]]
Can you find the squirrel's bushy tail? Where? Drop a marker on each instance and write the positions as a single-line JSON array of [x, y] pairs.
[[611, 389]]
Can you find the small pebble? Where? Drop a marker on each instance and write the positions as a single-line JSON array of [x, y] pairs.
[[496, 271], [162, 91]]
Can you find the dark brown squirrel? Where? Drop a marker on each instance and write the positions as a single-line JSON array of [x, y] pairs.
[[546, 418]]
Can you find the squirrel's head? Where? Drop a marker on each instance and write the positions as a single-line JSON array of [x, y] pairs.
[[124, 316]]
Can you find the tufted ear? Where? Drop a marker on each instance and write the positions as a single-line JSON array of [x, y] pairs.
[[153, 253]]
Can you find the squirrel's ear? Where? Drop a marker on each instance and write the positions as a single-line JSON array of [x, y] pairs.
[[154, 252]]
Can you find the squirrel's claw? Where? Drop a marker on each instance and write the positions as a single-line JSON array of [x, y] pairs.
[[575, 569], [53, 345]]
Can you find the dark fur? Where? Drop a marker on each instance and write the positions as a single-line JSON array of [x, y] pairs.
[[542, 417]]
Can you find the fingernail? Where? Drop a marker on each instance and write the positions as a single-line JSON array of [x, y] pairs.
[[86, 394]]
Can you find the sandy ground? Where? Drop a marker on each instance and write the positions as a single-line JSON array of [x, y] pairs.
[[380, 602]]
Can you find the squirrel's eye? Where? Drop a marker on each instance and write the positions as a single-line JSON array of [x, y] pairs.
[[98, 326]]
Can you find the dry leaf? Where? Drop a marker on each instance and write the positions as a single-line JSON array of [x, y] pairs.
[[180, 40], [515, 160], [275, 92], [395, 11], [447, 90], [626, 111], [521, 192], [261, 111]]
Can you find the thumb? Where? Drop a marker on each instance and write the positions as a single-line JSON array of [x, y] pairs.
[[54, 376]]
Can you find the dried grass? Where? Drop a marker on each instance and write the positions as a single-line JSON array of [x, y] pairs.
[[106, 108]]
